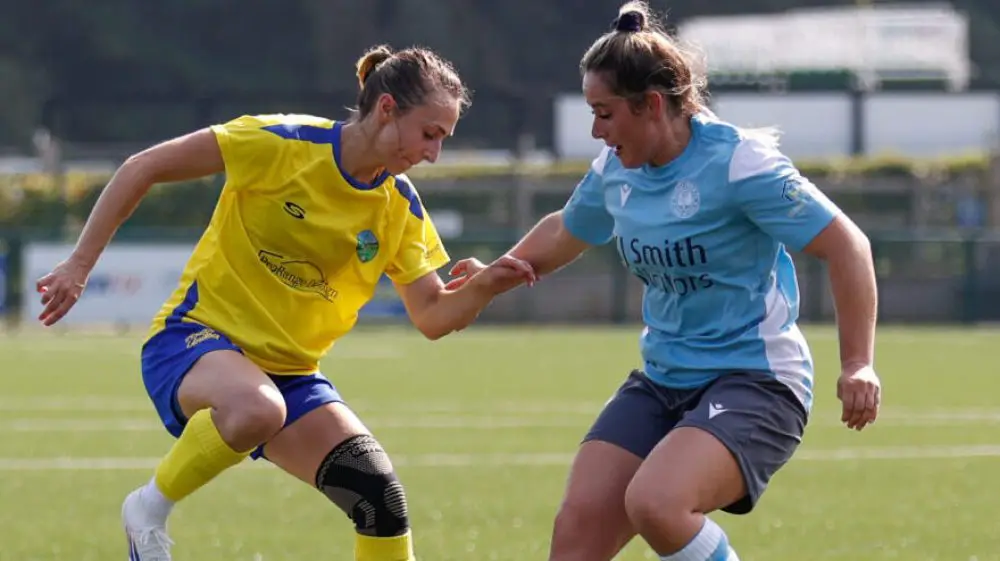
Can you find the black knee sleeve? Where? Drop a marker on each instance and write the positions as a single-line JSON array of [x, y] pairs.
[[358, 477]]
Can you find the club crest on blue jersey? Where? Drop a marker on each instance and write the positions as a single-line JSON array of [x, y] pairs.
[[685, 200], [367, 247]]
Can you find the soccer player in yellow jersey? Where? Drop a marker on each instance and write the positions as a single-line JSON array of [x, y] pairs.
[[313, 213]]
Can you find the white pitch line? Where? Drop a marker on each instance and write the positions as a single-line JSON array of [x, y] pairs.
[[898, 453], [513, 460]]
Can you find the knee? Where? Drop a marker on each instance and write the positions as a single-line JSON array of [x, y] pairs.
[[358, 477], [250, 419], [658, 509]]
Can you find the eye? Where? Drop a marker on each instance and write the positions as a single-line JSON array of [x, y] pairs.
[[601, 114]]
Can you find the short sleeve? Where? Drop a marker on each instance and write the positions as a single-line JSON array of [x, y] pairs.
[[421, 250], [585, 214], [776, 197], [252, 147]]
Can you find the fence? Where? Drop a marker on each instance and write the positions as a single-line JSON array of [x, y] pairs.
[[946, 278], [935, 232]]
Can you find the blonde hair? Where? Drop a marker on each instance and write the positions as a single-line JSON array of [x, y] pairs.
[[370, 60], [638, 55], [410, 76]]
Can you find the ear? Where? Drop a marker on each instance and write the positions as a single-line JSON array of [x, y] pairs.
[[656, 103], [386, 108]]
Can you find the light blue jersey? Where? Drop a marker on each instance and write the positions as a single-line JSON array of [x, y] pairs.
[[707, 234]]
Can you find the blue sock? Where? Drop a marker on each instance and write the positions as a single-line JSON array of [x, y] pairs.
[[710, 544]]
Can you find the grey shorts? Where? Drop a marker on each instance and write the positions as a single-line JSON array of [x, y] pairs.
[[757, 417]]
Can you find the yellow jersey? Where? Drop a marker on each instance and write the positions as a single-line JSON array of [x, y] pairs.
[[296, 246]]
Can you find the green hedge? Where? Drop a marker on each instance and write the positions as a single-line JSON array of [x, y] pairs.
[[38, 204], [881, 166], [184, 204]]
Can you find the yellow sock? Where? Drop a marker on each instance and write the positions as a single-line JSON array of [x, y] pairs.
[[196, 458], [399, 548]]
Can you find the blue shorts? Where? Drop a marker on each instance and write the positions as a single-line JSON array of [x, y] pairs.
[[169, 355], [756, 417]]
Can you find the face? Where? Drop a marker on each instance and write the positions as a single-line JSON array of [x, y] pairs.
[[417, 135], [633, 132]]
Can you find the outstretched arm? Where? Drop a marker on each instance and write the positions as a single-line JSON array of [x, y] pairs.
[[437, 310], [547, 247], [187, 157], [553, 243], [562, 236]]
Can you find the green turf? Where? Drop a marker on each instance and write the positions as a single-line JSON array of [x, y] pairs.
[[502, 409]]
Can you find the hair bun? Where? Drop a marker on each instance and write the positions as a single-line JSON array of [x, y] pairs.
[[371, 60], [630, 22]]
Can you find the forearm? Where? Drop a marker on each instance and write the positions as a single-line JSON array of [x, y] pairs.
[[116, 203], [855, 294], [548, 246], [453, 310]]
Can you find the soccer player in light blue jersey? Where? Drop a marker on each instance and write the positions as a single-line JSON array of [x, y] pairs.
[[705, 214]]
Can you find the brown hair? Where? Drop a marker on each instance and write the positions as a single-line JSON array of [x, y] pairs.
[[410, 76], [638, 55]]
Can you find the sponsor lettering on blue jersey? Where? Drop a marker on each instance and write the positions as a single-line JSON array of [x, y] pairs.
[[709, 235]]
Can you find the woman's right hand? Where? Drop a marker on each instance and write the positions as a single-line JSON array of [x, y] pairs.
[[61, 288]]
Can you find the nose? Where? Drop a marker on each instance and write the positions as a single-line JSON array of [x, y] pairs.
[[432, 152], [597, 131]]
